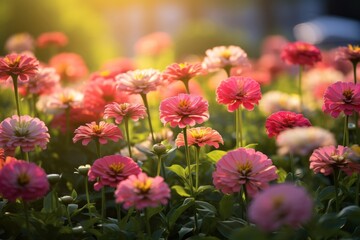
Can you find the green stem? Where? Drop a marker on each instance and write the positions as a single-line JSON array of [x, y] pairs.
[[98, 148], [186, 83], [103, 203], [143, 96], [87, 195], [292, 165], [68, 216], [300, 88], [346, 131], [26, 213], [67, 122], [197, 153], [15, 82], [34, 100], [238, 128], [147, 223], [357, 132], [357, 190], [227, 70], [126, 121], [336, 186], [159, 163], [245, 201], [118, 213], [188, 163], [163, 174], [354, 63]]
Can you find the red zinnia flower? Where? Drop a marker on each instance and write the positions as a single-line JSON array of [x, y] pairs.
[[101, 132], [183, 110], [46, 39], [111, 170], [301, 53], [124, 110], [200, 136], [280, 121], [243, 166], [142, 191], [21, 65], [236, 91], [342, 97]]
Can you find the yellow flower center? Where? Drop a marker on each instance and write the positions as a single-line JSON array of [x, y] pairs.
[[116, 167], [198, 133], [23, 179], [22, 129], [277, 201], [105, 73], [138, 76], [144, 187], [245, 168], [226, 54], [183, 103], [183, 65], [124, 106], [14, 63], [97, 129], [354, 48], [348, 95]]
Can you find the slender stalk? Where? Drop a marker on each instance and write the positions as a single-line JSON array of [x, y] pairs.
[[163, 174], [144, 98], [197, 153], [87, 195], [159, 163], [357, 132], [227, 70], [300, 87], [292, 165], [346, 131], [187, 157], [98, 148], [26, 213], [126, 121], [147, 223], [336, 186], [245, 201], [118, 212], [15, 83], [27, 158], [186, 83], [357, 190], [103, 203], [33, 101], [67, 122], [354, 68], [68, 216], [238, 128]]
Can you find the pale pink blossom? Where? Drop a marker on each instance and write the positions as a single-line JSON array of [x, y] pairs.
[[274, 101], [19, 42], [138, 81], [121, 111], [142, 191]]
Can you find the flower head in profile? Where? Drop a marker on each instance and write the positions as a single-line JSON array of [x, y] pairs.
[[121, 111], [329, 158], [101, 132], [183, 110], [200, 137], [25, 132], [21, 65], [23, 180], [342, 97], [20, 42], [111, 170], [58, 39], [303, 140], [282, 120], [237, 91], [301, 53], [139, 81], [62, 99], [142, 191], [181, 72], [281, 205], [70, 66], [225, 57], [350, 53], [243, 166]]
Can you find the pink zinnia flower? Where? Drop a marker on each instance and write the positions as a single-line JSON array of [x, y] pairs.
[[280, 121], [5, 159], [101, 132], [350, 53], [25, 132], [243, 166], [301, 53], [45, 82], [236, 91], [142, 191], [122, 111], [70, 66], [181, 72], [342, 97], [139, 81], [61, 100], [57, 39], [99, 93], [183, 110], [225, 57], [20, 42], [21, 65], [281, 205], [111, 170], [200, 137], [23, 180], [274, 101], [326, 159], [153, 44]]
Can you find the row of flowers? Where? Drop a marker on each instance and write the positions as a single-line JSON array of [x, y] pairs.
[[236, 188]]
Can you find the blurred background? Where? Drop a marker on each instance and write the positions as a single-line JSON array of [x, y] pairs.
[[100, 30]]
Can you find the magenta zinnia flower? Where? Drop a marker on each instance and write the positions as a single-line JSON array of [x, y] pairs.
[[181, 72], [326, 159], [301, 53], [183, 110], [224, 57], [20, 65], [122, 111], [281, 205], [25, 132], [23, 180], [138, 81], [280, 121], [243, 166], [342, 97], [236, 91], [200, 137], [142, 191], [111, 170], [101, 132]]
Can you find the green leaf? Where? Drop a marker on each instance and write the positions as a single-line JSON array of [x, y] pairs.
[[74, 194], [226, 227], [205, 208], [215, 155], [281, 175], [205, 188], [183, 231], [180, 191], [226, 206], [332, 221], [251, 145], [72, 208], [352, 213], [178, 170], [252, 233], [326, 193], [175, 213], [202, 238], [151, 211]]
